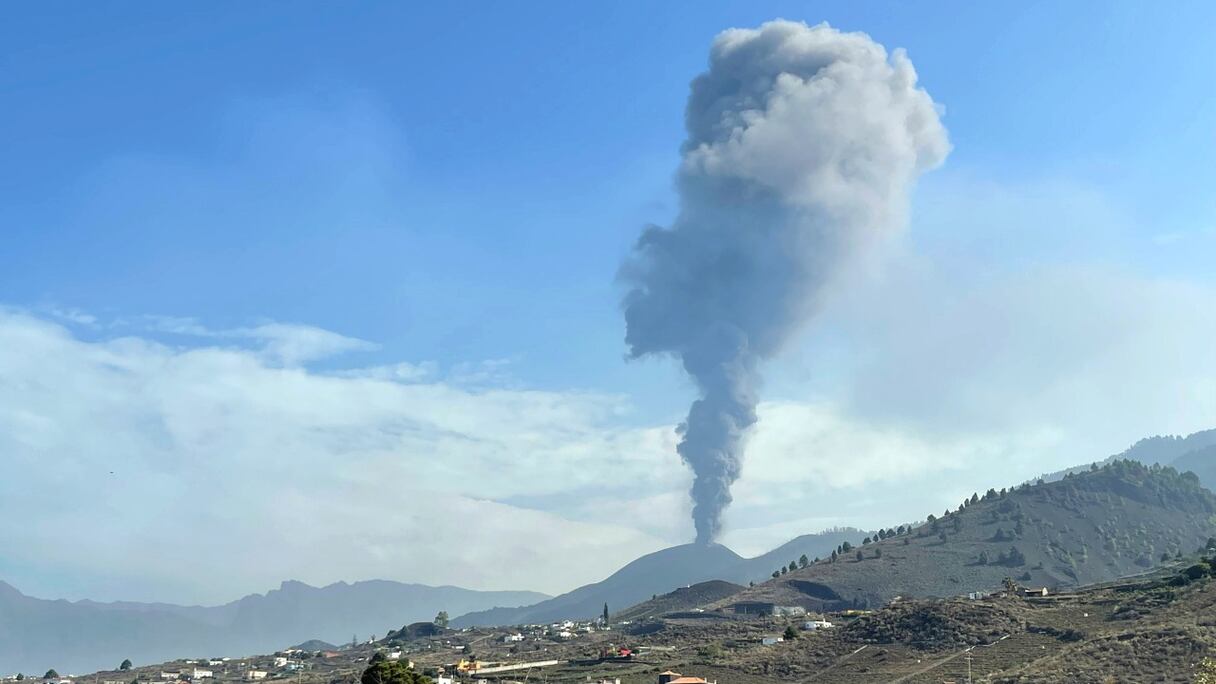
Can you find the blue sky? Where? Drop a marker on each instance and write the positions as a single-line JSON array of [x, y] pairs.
[[460, 182], [455, 185]]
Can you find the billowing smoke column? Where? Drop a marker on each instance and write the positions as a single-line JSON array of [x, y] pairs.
[[803, 144]]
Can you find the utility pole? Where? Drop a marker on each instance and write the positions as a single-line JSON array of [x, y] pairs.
[[968, 667]]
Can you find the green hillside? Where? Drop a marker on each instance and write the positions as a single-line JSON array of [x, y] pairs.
[[1114, 521]]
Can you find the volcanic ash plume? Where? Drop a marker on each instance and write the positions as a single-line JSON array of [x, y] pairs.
[[803, 144]]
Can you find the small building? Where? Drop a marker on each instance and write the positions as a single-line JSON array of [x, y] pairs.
[[254, 675], [1028, 593], [394, 655], [170, 676], [753, 608], [816, 624], [789, 611], [200, 673], [770, 640], [512, 638], [670, 677]]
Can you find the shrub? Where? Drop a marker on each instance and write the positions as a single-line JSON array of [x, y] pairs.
[[1197, 571], [392, 672]]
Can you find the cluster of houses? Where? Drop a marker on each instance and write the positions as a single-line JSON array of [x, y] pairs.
[[282, 663], [567, 629]]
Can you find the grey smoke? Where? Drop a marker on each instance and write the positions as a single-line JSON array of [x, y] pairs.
[[803, 145]]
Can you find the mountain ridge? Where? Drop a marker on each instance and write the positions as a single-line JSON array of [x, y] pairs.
[[659, 573], [37, 633], [1109, 522]]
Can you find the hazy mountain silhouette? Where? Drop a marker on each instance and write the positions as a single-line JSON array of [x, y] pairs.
[[38, 634], [659, 573], [1202, 462], [1163, 449]]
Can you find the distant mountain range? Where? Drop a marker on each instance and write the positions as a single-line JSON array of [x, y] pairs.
[[1195, 452], [83, 636], [659, 573]]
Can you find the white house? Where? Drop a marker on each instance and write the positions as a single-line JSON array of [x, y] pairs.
[[169, 676], [789, 611], [816, 624], [394, 655], [254, 675], [280, 661], [770, 640], [512, 638], [201, 674]]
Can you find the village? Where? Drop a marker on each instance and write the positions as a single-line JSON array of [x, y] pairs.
[[746, 643], [586, 651]]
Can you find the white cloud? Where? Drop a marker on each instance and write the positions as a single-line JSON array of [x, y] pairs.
[[282, 343], [268, 472], [292, 345]]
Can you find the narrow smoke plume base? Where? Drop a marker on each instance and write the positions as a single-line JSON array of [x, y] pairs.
[[803, 145]]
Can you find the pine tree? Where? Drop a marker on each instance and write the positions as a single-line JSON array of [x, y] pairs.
[[605, 613], [1205, 673]]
